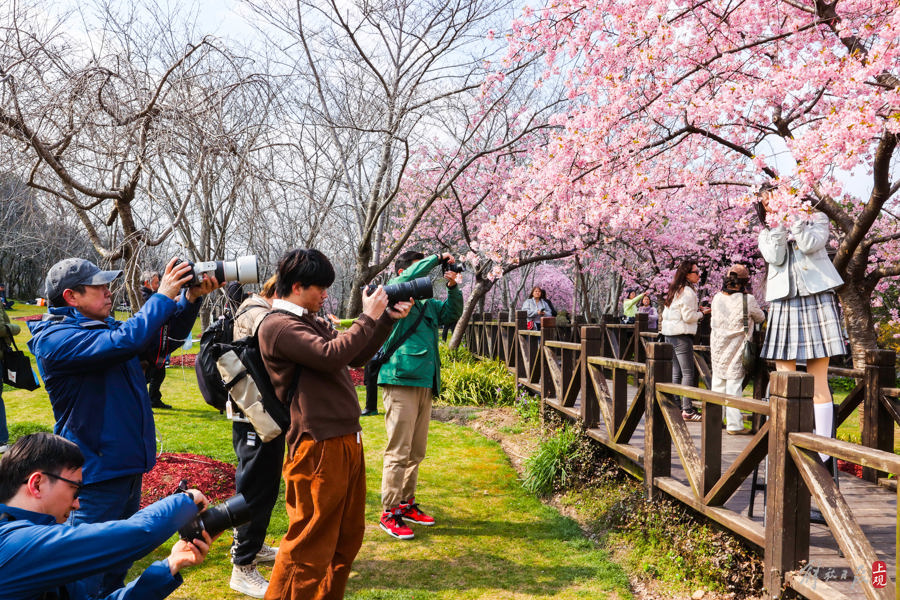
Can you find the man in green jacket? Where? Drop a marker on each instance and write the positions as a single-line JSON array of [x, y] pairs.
[[411, 378]]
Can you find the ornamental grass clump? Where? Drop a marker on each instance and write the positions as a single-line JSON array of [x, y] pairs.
[[548, 469], [467, 382]]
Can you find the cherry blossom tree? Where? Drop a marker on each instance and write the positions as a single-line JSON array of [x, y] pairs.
[[681, 109]]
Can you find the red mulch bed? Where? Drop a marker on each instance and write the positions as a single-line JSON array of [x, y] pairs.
[[212, 477], [849, 467], [183, 360]]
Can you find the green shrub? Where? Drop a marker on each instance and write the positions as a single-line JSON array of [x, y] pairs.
[[460, 355], [483, 383], [528, 407], [548, 468], [467, 380]]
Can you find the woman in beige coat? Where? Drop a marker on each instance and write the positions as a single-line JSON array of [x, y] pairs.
[[727, 338]]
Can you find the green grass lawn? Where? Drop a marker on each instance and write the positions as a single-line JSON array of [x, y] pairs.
[[492, 539]]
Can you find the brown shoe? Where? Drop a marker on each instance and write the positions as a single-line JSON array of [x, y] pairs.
[[738, 432]]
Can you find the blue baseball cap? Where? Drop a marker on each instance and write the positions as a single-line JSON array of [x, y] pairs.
[[70, 272]]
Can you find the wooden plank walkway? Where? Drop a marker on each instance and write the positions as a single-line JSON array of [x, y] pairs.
[[874, 507]]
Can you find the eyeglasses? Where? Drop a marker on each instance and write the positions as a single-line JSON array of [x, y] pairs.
[[74, 484]]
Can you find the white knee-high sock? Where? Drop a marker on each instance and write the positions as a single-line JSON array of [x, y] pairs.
[[824, 421]]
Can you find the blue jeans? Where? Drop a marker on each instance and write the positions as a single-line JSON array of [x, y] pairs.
[[683, 363], [109, 500], [4, 432]]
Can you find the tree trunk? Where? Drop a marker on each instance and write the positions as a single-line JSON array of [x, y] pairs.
[[858, 320], [479, 291]]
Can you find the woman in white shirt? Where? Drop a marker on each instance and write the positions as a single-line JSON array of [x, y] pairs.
[[804, 323], [727, 336], [680, 316]]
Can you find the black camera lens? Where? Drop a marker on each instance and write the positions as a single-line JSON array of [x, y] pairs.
[[417, 289], [234, 512]]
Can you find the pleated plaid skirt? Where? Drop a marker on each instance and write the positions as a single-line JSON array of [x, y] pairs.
[[803, 327]]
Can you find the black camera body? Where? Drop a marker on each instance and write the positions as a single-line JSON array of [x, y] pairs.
[[243, 269], [234, 512], [455, 267], [417, 289]]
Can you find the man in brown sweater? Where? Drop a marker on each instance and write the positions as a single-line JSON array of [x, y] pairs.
[[324, 473]]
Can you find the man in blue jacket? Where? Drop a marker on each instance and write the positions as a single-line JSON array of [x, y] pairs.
[[90, 367], [40, 478]]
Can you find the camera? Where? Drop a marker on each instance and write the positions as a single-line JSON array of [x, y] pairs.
[[243, 269], [234, 512], [417, 289], [449, 266]]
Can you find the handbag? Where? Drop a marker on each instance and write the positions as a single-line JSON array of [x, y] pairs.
[[17, 370], [750, 354]]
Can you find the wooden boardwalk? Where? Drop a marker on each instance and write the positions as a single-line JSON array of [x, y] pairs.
[[587, 377], [873, 506]]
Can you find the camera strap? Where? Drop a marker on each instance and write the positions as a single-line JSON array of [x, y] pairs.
[[386, 356]]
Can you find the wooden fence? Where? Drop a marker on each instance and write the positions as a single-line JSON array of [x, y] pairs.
[[587, 375]]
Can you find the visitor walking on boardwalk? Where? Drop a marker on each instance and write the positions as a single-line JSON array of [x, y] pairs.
[[734, 309], [680, 316]]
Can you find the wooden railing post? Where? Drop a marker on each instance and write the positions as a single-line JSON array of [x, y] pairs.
[[640, 325], [489, 349], [590, 346], [520, 352], [605, 347], [548, 332], [787, 505], [760, 380], [657, 440], [502, 337], [877, 425]]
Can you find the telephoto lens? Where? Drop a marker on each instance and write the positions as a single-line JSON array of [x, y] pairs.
[[234, 512], [417, 289], [243, 269]]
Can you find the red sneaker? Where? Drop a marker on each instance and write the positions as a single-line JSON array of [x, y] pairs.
[[411, 513], [393, 525]]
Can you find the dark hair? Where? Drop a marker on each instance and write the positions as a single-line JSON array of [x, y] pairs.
[[407, 258], [306, 267], [680, 280], [60, 302], [36, 452], [735, 285]]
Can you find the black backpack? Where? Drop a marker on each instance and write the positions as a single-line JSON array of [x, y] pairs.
[[214, 344], [208, 379]]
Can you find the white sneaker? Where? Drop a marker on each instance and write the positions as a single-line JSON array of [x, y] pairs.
[[5, 447], [266, 554], [247, 580]]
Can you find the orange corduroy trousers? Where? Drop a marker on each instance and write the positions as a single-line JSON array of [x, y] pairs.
[[325, 493]]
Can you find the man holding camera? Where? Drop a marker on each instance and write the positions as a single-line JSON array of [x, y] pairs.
[[40, 480], [90, 366], [324, 473], [411, 378]]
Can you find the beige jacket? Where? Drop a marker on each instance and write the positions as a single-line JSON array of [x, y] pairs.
[[726, 340]]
